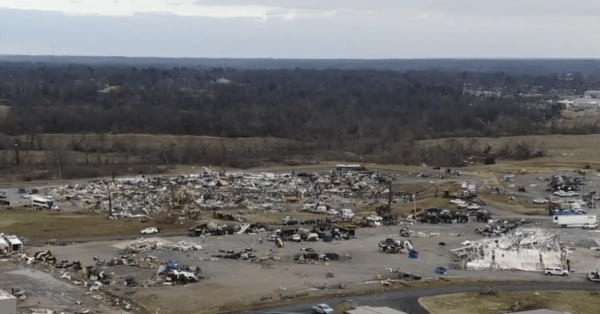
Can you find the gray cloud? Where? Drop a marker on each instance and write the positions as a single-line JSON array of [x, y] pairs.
[[423, 31]]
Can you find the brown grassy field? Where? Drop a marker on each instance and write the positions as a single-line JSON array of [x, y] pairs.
[[44, 225], [564, 147], [4, 111], [582, 302]]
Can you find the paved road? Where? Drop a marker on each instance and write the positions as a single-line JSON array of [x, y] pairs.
[[408, 299]]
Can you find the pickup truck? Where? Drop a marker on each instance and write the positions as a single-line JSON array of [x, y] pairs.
[[289, 220], [549, 271], [590, 226], [323, 309], [594, 276]]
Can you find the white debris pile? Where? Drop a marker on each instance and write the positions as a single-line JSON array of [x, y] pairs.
[[146, 244], [522, 249]]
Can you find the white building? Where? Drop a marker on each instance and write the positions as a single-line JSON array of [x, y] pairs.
[[592, 94], [8, 303], [587, 103]]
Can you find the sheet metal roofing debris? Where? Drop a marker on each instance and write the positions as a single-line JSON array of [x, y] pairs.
[[522, 249], [148, 244]]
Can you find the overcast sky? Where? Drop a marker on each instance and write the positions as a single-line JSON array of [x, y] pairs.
[[302, 28]]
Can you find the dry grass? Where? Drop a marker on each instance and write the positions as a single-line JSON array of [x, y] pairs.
[[565, 147], [581, 302], [44, 225], [4, 111], [276, 218]]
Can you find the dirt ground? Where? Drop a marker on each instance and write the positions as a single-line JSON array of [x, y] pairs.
[[247, 282], [237, 283]]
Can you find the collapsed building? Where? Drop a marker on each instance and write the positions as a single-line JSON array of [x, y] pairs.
[[211, 190], [522, 249]]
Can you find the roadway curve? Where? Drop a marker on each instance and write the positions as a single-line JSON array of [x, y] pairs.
[[409, 299]]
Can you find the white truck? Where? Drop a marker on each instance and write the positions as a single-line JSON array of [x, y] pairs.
[[38, 201], [574, 220], [347, 214]]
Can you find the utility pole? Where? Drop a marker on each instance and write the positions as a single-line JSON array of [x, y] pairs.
[[415, 202], [109, 198], [172, 196], [390, 194], [59, 173]]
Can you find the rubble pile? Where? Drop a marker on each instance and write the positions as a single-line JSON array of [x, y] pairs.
[[149, 262], [210, 190], [565, 183], [321, 257], [521, 249], [146, 244], [247, 254]]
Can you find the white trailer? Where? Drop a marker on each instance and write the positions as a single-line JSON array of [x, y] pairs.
[[574, 220]]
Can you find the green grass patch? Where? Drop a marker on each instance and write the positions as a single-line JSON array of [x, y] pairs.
[[276, 217], [582, 302], [44, 225]]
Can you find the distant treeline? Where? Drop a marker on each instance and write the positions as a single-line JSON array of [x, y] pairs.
[[343, 108], [375, 115], [532, 67]]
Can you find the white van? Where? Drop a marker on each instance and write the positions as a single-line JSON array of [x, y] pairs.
[[321, 209], [347, 213], [42, 202]]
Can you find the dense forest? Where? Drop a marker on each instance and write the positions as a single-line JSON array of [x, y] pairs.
[[296, 104], [344, 109]]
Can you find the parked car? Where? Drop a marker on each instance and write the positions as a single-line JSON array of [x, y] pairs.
[[272, 237], [151, 230], [441, 270], [297, 238], [322, 309], [540, 201], [549, 271], [473, 207], [289, 220], [347, 214], [2, 194], [590, 226], [332, 212], [374, 218]]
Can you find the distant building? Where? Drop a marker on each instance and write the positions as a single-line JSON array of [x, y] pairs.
[[374, 310], [223, 80], [592, 94], [110, 89], [8, 303], [587, 103], [567, 103]]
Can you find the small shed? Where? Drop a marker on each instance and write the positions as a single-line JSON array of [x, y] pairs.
[[8, 303], [15, 244]]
